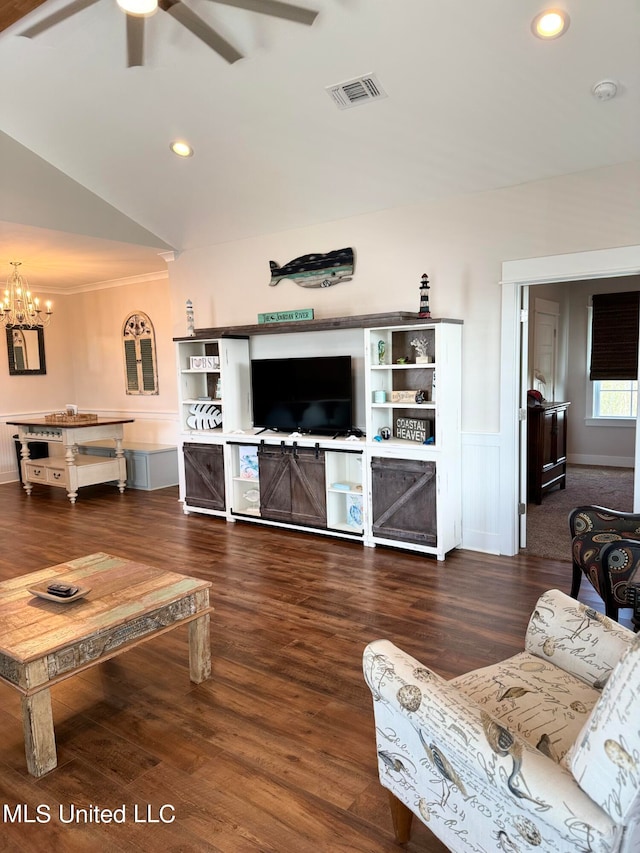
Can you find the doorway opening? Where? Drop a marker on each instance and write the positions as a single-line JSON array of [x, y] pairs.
[[600, 452], [517, 278]]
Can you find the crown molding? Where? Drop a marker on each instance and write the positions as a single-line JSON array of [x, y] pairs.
[[105, 285]]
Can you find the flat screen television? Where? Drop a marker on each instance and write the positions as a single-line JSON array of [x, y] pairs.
[[307, 395]]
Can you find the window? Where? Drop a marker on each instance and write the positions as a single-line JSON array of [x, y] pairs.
[[615, 326], [615, 398], [140, 365]]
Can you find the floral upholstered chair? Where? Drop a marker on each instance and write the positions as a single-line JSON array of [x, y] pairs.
[[540, 752], [603, 550]]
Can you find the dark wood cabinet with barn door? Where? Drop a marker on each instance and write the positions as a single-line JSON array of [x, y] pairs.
[[546, 448], [292, 484], [404, 500], [204, 476]]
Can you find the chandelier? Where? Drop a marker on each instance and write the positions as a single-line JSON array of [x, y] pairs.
[[19, 307]]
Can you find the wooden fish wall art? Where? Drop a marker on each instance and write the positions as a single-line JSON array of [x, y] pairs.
[[318, 270]]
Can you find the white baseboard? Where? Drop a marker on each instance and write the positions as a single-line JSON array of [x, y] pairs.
[[478, 540], [607, 461]]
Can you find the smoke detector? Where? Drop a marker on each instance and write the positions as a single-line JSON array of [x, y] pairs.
[[605, 90], [353, 93]]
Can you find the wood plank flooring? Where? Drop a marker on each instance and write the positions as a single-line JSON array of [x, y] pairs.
[[276, 752]]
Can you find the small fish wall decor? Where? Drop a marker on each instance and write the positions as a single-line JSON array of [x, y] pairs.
[[317, 270]]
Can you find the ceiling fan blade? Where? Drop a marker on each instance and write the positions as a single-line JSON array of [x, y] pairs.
[[274, 8], [135, 41], [199, 28], [60, 15]]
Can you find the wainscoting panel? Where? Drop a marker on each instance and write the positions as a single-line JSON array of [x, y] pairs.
[[8, 462], [481, 529], [8, 459]]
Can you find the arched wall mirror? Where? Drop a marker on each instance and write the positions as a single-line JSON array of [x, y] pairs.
[[26, 351]]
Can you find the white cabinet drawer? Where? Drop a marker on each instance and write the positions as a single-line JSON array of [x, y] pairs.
[[36, 472], [57, 476]]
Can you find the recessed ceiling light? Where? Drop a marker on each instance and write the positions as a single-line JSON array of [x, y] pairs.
[[138, 7], [182, 149], [550, 24]]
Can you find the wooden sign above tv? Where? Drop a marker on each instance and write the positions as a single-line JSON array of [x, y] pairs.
[[294, 316]]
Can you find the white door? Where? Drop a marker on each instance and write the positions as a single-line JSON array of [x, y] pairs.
[[545, 347], [524, 382]]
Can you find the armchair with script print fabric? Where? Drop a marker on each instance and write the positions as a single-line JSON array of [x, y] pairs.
[[540, 752]]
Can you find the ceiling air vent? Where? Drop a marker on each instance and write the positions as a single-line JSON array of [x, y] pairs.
[[352, 93]]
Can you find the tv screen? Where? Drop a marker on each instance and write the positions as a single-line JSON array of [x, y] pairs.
[[303, 394]]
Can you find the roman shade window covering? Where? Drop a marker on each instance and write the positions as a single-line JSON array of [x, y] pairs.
[[614, 335]]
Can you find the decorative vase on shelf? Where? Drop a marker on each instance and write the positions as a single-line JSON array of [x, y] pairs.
[[382, 349], [421, 345]]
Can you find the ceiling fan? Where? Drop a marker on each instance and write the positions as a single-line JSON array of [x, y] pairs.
[[137, 10]]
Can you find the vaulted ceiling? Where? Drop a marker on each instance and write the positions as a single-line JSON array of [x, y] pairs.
[[474, 102]]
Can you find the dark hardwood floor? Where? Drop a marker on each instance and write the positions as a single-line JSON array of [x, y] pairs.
[[276, 752]]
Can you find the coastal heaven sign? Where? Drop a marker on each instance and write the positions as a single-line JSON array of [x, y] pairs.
[[411, 429]]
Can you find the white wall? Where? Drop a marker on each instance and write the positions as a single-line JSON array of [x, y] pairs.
[[98, 371], [460, 243], [46, 392]]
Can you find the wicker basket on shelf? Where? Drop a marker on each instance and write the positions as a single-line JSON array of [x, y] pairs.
[[64, 419]]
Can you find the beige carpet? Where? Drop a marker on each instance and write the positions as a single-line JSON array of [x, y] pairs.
[[547, 528]]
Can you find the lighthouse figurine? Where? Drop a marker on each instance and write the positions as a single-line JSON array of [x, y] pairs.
[[190, 319], [424, 297]]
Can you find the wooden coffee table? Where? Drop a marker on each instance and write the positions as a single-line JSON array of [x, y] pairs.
[[43, 642]]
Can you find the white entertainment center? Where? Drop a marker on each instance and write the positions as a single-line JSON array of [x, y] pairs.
[[401, 490]]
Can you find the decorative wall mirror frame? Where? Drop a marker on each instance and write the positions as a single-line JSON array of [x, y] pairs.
[[25, 348]]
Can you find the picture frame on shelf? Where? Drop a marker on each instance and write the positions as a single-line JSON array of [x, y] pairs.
[[354, 511], [248, 463], [204, 362]]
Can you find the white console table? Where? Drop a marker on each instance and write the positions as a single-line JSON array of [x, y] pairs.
[[72, 470]]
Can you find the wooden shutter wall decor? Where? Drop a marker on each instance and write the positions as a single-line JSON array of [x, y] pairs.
[[141, 367], [615, 328]]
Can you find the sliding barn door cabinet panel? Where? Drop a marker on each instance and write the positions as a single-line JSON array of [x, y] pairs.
[[306, 486]]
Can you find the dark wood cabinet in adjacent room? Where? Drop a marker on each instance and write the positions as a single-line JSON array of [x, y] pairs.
[[204, 476], [546, 448], [404, 499], [292, 485]]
